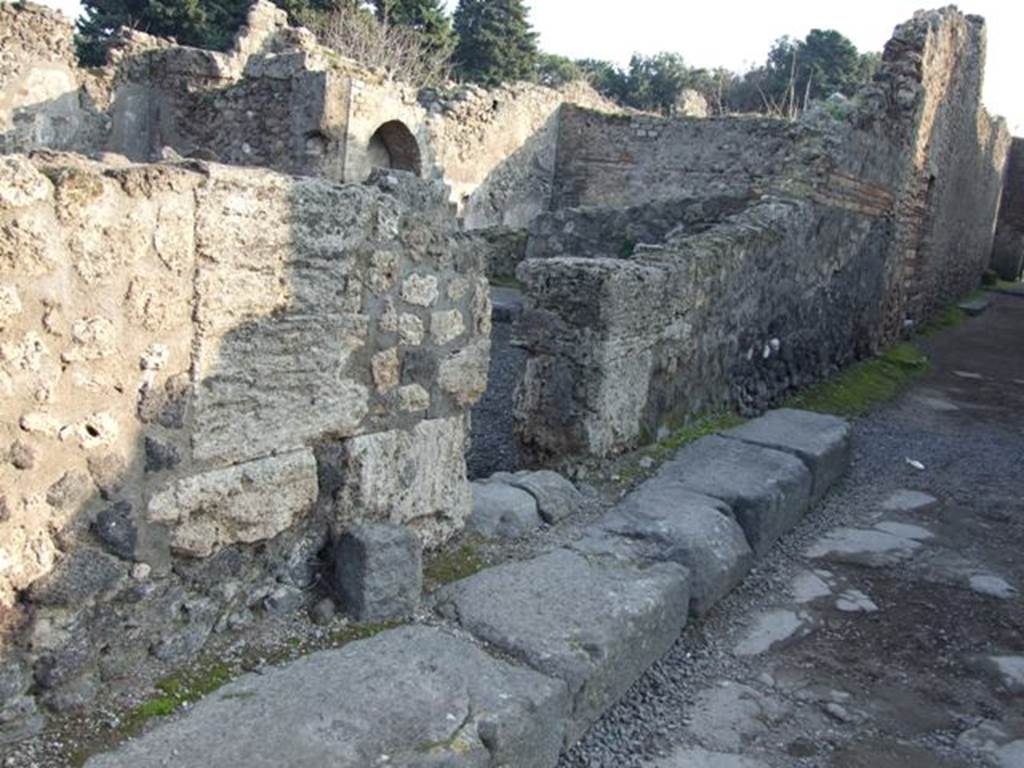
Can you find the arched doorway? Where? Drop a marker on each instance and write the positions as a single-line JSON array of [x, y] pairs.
[[393, 146]]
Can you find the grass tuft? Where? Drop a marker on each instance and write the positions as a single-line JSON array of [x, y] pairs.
[[862, 386]]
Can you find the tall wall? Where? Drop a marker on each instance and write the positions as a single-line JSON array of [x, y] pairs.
[[867, 217], [1008, 249], [205, 371], [625, 160]]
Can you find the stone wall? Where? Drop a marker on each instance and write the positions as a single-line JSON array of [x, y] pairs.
[[866, 218], [1008, 249], [279, 100], [205, 372], [626, 160], [45, 100]]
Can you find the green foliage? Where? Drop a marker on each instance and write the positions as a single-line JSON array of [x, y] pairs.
[[425, 16], [496, 43], [951, 317], [863, 385], [202, 23], [554, 70]]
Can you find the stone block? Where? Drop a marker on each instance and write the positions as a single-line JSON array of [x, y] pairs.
[[662, 521], [502, 511], [557, 498], [246, 503], [84, 574], [767, 490], [415, 694], [378, 572], [414, 477], [820, 441], [596, 623], [463, 374]]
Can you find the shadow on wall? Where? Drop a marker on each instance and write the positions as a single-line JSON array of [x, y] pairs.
[[65, 118], [183, 472]]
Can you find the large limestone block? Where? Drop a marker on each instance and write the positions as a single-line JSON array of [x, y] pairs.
[[596, 623], [414, 477], [276, 384], [767, 490], [245, 503], [409, 698], [821, 441], [663, 521]]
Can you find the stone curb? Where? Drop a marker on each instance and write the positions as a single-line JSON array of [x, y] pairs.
[[581, 624]]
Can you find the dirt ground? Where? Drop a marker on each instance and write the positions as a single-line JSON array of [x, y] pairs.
[[888, 629]]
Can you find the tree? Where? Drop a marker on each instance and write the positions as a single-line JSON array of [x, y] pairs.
[[425, 16], [202, 23], [823, 63], [496, 43], [554, 70], [401, 50], [606, 78]]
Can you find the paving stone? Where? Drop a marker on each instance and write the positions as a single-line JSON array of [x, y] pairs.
[[557, 498], [503, 511], [702, 758], [412, 697], [767, 490], [821, 441], [596, 623], [905, 500], [378, 572], [974, 307], [663, 521]]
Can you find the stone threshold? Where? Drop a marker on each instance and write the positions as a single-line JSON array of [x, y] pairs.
[[531, 653]]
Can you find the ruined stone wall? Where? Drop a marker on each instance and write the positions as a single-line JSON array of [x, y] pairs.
[[1008, 248], [868, 217], [205, 371], [626, 160], [45, 100]]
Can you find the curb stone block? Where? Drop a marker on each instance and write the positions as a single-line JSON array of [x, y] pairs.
[[820, 441], [557, 498], [502, 511], [378, 572], [767, 490], [594, 622], [411, 697], [662, 521]]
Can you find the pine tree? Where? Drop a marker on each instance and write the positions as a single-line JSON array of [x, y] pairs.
[[202, 23], [496, 43], [425, 16]]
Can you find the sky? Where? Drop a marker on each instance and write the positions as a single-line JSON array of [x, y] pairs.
[[739, 34]]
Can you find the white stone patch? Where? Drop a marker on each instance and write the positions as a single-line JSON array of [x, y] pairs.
[[855, 601], [906, 531], [809, 586], [993, 586], [1011, 668], [1011, 756], [968, 375], [410, 330], [874, 546], [767, 630], [420, 290], [10, 304], [446, 326], [905, 500]]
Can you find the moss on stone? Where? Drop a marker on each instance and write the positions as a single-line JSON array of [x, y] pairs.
[[866, 384], [460, 563], [708, 424]]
